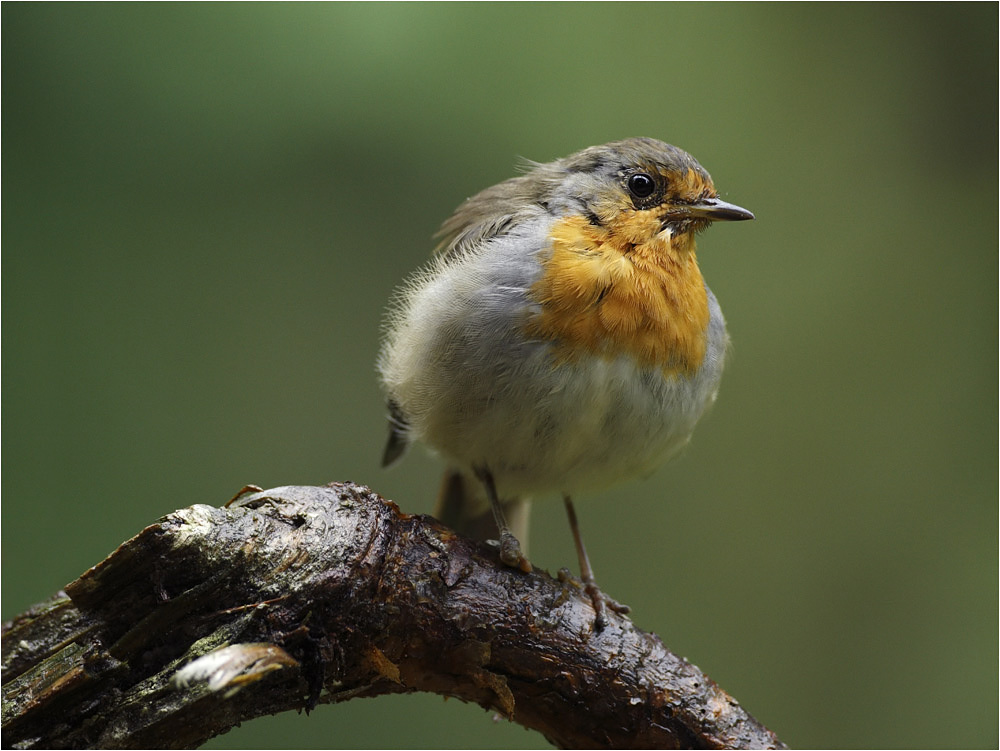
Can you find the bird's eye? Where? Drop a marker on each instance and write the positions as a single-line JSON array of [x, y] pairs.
[[641, 185]]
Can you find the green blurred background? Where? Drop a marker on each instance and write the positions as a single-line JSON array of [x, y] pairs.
[[206, 208]]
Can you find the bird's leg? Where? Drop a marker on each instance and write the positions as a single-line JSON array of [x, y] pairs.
[[597, 597], [510, 548]]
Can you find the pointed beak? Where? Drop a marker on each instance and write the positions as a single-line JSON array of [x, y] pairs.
[[717, 210]]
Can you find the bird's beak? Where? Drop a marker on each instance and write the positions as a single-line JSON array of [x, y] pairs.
[[716, 210]]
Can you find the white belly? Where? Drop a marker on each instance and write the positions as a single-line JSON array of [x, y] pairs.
[[474, 388]]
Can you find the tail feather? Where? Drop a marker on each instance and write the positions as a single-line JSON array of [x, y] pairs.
[[399, 439]]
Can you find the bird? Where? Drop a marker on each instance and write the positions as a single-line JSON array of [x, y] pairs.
[[561, 338]]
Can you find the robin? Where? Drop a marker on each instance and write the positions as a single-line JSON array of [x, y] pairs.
[[561, 339]]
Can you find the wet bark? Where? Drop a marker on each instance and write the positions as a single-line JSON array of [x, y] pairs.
[[303, 595]]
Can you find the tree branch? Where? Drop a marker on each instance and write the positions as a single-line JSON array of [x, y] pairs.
[[300, 595]]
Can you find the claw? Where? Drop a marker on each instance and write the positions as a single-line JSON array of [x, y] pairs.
[[602, 603], [510, 553]]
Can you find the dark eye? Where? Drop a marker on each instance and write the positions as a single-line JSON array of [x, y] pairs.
[[641, 185]]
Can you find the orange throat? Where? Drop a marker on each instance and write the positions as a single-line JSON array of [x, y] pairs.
[[602, 293]]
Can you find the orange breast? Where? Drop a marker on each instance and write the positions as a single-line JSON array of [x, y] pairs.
[[607, 292]]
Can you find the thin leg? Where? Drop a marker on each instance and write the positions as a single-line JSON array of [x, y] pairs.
[[597, 597], [510, 548]]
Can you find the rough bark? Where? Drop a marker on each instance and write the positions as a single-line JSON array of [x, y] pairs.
[[300, 595]]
